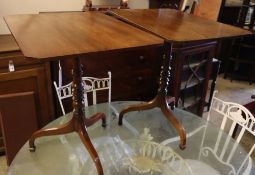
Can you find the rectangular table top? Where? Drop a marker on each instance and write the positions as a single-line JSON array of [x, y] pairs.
[[49, 36], [173, 25]]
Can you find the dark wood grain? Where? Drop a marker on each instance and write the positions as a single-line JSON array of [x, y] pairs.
[[54, 35], [177, 26]]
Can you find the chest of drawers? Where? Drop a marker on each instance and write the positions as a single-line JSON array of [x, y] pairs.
[[134, 72]]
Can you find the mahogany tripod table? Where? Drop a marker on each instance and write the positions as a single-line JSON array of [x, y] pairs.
[[175, 27], [54, 36], [74, 35]]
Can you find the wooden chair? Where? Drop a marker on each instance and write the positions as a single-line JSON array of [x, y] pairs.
[[92, 86], [89, 6]]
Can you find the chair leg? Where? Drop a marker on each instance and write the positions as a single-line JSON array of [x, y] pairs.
[[171, 118]]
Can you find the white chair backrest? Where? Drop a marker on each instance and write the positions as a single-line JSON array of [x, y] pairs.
[[92, 85], [188, 3], [232, 114]]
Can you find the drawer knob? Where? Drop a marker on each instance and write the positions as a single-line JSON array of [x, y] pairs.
[[142, 58], [11, 66], [140, 78]]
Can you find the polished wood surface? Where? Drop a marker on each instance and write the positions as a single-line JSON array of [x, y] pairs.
[[54, 35], [7, 44], [19, 124], [177, 26], [50, 37]]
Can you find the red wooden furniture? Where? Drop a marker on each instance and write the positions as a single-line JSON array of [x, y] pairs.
[[41, 36], [19, 122], [28, 76], [39, 39], [164, 23]]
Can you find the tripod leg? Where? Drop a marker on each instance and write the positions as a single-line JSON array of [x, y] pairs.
[[62, 129], [178, 126], [90, 121], [86, 141], [138, 107]]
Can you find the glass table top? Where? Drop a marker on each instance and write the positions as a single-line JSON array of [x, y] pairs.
[[145, 144]]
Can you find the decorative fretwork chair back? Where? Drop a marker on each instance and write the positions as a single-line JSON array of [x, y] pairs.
[[92, 86], [232, 115]]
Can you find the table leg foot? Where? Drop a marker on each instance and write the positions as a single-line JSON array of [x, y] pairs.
[[93, 119], [162, 103], [178, 126], [137, 107]]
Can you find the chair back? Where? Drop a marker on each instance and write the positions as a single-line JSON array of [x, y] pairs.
[[63, 92], [232, 115], [188, 5], [92, 85]]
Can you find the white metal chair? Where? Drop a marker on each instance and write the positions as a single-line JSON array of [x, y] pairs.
[[92, 85], [232, 114], [189, 5]]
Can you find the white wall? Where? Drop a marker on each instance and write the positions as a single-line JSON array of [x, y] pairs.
[[11, 7]]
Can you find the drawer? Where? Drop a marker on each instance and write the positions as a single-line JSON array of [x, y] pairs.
[[17, 58], [129, 60], [133, 85]]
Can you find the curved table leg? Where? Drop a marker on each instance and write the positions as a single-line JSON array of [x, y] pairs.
[[79, 122], [87, 142], [78, 125], [62, 129], [93, 119], [178, 126], [138, 107]]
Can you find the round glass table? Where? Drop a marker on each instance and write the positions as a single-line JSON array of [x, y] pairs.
[[145, 144]]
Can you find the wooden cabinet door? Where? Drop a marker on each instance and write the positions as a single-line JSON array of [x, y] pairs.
[[32, 80]]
